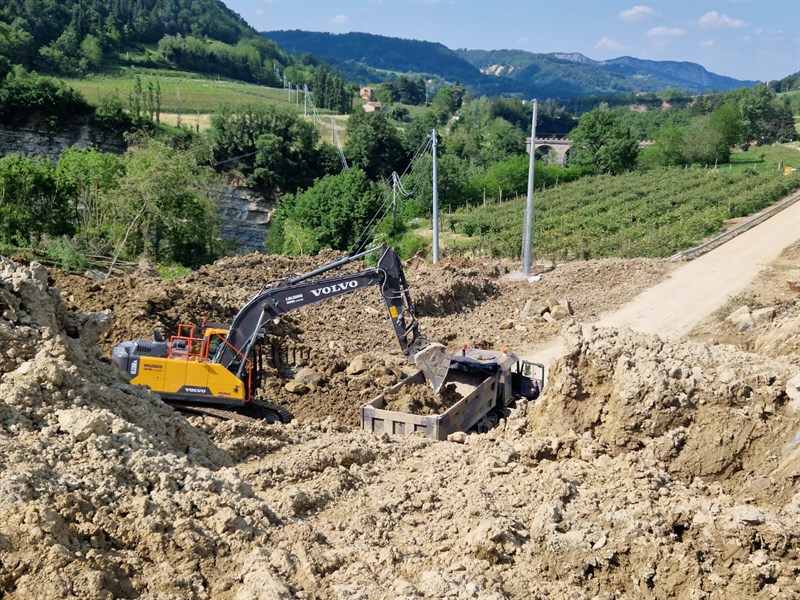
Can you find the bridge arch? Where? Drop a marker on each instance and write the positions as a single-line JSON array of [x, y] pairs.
[[556, 150]]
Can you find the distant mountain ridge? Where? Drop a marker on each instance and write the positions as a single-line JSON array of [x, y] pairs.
[[372, 58]]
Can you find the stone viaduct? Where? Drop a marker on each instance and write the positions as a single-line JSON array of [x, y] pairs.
[[559, 148]]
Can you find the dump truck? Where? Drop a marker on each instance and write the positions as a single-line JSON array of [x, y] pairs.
[[489, 383]]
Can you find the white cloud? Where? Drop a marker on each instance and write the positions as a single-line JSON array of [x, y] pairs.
[[259, 12], [708, 43], [665, 32], [340, 20], [716, 20], [606, 43], [636, 13]]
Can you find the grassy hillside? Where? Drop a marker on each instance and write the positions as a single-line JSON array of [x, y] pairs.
[[194, 97], [180, 91]]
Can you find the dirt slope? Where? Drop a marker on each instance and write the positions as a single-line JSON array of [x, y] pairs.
[[649, 468]]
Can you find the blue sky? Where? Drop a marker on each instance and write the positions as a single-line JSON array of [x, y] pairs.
[[746, 39]]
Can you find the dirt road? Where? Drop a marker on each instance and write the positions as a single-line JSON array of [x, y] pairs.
[[693, 291]]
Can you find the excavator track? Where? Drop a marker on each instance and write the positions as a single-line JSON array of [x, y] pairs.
[[256, 410]]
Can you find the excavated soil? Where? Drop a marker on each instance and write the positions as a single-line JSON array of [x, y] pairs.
[[419, 399], [646, 469]]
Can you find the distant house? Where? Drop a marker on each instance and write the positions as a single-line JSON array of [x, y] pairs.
[[365, 93], [370, 107]]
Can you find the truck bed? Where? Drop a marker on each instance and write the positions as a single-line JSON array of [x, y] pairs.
[[479, 394]]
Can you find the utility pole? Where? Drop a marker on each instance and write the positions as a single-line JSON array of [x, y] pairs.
[[528, 237], [395, 178], [435, 204]]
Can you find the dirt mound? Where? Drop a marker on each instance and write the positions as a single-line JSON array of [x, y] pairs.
[[451, 287], [711, 412], [765, 317], [141, 304], [104, 491], [647, 469], [680, 459], [419, 399]]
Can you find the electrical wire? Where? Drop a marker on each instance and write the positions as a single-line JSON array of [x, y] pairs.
[[369, 229]]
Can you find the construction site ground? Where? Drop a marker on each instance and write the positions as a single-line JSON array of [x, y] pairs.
[[648, 468]]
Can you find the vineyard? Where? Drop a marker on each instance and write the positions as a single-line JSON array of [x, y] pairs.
[[643, 214]]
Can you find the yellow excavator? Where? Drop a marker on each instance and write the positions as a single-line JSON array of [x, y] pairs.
[[221, 366]]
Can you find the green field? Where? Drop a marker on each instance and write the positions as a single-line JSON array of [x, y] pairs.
[[183, 93], [194, 98]]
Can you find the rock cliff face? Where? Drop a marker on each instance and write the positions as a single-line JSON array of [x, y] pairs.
[[244, 216], [36, 139]]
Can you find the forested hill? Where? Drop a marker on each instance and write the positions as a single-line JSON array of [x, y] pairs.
[[499, 72], [350, 51], [72, 37], [575, 74]]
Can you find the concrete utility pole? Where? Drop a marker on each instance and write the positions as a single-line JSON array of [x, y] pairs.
[[528, 237], [435, 204], [395, 178]]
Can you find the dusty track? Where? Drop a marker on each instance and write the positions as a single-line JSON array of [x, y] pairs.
[[695, 290]]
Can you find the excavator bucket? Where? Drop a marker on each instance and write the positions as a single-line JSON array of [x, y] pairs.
[[434, 362]]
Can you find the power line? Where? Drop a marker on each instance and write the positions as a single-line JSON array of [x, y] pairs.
[[369, 229]]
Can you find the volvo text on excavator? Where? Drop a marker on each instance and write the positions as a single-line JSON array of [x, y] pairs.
[[221, 366]]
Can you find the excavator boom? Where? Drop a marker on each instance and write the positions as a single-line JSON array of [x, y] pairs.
[[304, 290]]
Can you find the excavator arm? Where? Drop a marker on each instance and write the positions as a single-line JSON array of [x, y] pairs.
[[303, 290]]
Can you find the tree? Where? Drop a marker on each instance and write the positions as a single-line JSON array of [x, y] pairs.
[[755, 107], [785, 130], [705, 144], [727, 122], [668, 149], [766, 119], [443, 104], [373, 144], [335, 212], [330, 91], [455, 185], [417, 133], [16, 45], [23, 93], [167, 209], [91, 54], [600, 140], [275, 149], [89, 178], [31, 204], [481, 136], [509, 175], [501, 140]]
